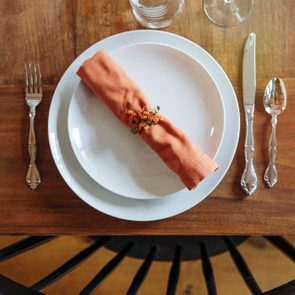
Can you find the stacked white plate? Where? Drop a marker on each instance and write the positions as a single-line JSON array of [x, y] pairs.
[[113, 170]]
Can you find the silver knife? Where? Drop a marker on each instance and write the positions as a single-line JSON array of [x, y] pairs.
[[249, 178]]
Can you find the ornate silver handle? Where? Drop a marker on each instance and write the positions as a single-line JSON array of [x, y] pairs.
[[249, 178], [271, 175], [33, 176]]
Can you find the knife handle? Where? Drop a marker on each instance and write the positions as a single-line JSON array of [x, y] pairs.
[[249, 178]]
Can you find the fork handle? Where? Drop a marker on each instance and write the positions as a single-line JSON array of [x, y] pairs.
[[33, 178]]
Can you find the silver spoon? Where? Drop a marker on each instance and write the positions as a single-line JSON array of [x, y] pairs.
[[274, 101]]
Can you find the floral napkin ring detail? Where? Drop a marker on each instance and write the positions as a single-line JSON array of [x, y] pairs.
[[144, 119]]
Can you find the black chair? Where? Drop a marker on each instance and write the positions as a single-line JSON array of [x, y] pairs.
[[148, 248]]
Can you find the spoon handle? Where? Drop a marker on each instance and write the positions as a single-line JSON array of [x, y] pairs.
[[249, 178], [271, 175]]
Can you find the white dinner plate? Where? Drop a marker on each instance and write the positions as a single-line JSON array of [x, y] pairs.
[[119, 160], [104, 200]]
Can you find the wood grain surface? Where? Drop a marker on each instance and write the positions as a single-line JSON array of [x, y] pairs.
[[56, 31]]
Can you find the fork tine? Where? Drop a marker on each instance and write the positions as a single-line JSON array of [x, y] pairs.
[[35, 79], [39, 77], [26, 78], [31, 82]]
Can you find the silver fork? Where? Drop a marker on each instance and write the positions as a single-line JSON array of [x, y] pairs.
[[33, 97]]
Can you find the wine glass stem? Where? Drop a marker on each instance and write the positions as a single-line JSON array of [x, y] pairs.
[[227, 12]]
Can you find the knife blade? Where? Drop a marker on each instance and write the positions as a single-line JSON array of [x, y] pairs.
[[249, 178]]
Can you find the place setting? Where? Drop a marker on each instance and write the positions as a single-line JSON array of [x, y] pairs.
[[144, 124], [145, 144]]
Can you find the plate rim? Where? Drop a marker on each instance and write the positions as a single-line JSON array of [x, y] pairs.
[[149, 196], [146, 206]]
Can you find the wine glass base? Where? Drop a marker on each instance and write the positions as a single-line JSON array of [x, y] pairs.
[[227, 13], [151, 15]]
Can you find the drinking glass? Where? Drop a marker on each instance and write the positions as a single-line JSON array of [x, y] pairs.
[[227, 13], [156, 14]]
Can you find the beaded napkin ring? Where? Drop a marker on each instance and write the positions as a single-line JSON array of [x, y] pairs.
[[144, 119]]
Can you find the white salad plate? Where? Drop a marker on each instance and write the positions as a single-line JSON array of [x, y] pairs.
[[96, 195], [119, 160]]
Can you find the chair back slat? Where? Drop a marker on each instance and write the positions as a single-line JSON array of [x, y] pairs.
[[22, 246], [283, 245], [69, 265], [9, 287], [142, 272], [208, 271], [242, 267], [174, 272], [286, 289], [106, 270]]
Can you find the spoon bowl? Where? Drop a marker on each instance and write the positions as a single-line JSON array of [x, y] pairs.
[[275, 97], [275, 102]]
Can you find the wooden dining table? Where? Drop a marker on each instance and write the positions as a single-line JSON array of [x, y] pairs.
[[56, 32]]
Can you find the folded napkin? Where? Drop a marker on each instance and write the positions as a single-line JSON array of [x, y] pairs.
[[111, 84]]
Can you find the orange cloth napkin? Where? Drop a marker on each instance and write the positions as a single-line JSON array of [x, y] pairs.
[[111, 84]]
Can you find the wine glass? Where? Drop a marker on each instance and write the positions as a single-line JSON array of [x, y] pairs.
[[227, 13]]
